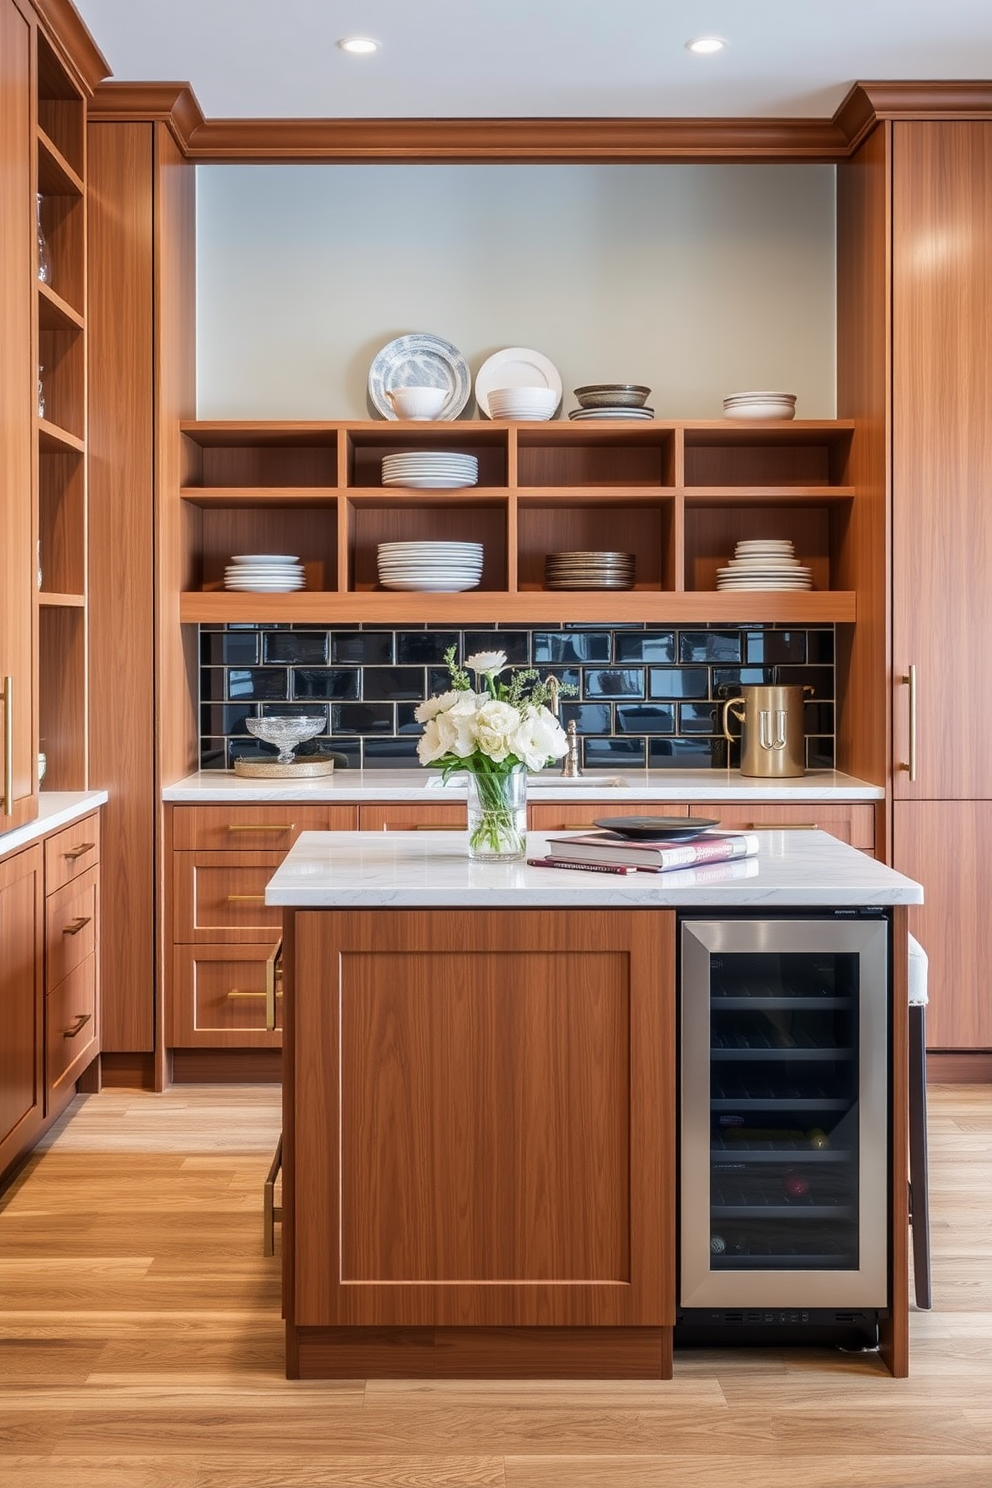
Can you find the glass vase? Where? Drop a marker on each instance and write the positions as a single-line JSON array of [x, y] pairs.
[[497, 815], [44, 257]]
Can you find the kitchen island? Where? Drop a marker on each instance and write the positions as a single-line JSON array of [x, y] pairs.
[[480, 1101]]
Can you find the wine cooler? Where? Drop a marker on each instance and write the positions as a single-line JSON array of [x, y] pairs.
[[783, 1146]]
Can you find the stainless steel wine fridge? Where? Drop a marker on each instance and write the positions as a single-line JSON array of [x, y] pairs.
[[783, 1144]]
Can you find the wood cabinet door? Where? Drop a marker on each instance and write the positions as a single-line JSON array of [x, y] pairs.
[[483, 1118], [18, 402], [412, 816], [942, 456], [21, 1003], [944, 845], [850, 821]]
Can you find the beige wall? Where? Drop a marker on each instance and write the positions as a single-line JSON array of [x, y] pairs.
[[697, 280]]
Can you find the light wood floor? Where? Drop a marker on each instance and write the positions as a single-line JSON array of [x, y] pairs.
[[142, 1345]]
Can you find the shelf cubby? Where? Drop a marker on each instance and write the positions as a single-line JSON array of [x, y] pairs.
[[367, 444], [471, 515], [603, 521], [571, 455], [63, 222], [308, 531], [62, 695], [62, 522], [273, 456], [61, 112]]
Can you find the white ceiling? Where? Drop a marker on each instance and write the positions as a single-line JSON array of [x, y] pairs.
[[451, 58]]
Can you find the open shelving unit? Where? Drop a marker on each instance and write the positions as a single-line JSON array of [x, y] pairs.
[[60, 306], [676, 494]]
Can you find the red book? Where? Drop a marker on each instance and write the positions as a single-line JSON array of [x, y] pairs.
[[608, 847]]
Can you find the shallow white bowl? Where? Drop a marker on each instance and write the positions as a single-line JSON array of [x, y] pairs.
[[758, 410], [523, 402]]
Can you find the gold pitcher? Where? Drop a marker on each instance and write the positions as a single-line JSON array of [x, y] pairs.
[[772, 735]]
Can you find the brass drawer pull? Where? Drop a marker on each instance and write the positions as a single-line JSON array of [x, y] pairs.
[[236, 992], [782, 827], [81, 1021], [74, 926], [910, 682], [246, 898], [78, 852], [261, 827], [273, 973]]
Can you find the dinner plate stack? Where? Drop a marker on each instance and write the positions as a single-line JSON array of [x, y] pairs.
[[264, 573], [612, 400], [764, 563], [589, 570], [760, 405], [430, 470], [432, 567]]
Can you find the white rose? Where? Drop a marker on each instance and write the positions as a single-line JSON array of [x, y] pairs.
[[539, 738], [435, 705], [456, 726], [429, 746], [490, 663], [497, 724]]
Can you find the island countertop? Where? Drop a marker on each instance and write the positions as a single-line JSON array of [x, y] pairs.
[[366, 870]]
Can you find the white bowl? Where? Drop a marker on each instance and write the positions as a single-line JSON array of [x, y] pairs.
[[758, 410], [523, 402], [417, 402]]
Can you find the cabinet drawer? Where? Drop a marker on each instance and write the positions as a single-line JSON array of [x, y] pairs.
[[221, 996], [71, 852], [221, 897], [235, 828], [381, 816], [850, 821], [71, 1036], [70, 926], [554, 816]]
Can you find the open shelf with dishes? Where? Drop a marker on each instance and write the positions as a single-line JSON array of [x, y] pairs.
[[677, 496]]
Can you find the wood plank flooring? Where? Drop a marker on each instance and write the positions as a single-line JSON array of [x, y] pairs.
[[142, 1345]]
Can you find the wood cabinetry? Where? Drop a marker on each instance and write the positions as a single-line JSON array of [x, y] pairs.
[[22, 1068], [481, 1156]]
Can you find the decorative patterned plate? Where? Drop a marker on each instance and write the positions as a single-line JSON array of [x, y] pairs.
[[420, 360]]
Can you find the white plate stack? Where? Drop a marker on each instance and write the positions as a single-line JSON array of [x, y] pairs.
[[760, 406], [430, 567], [764, 563], [430, 470], [265, 573]]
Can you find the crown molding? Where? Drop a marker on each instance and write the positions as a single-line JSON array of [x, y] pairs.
[[172, 104], [66, 29], [868, 103]]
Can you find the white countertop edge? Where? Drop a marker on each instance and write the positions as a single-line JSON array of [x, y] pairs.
[[55, 809], [211, 787], [410, 870]]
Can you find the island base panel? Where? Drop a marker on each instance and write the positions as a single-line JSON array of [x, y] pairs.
[[479, 1353]]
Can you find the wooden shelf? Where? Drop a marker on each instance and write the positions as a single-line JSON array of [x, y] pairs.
[[62, 601], [53, 440], [763, 495], [56, 176], [207, 496], [55, 313]]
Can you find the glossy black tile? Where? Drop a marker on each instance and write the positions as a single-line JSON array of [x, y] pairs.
[[514, 643], [229, 648], [406, 723], [296, 647], [645, 718], [775, 647], [213, 684], [362, 647], [678, 682], [551, 646], [614, 682], [350, 748], [257, 682], [392, 684], [728, 681], [819, 678], [818, 718], [681, 754], [363, 718], [295, 710], [589, 718], [699, 718], [710, 645], [820, 754], [613, 754], [649, 645], [326, 682], [219, 719], [820, 647], [424, 647], [213, 754], [385, 754]]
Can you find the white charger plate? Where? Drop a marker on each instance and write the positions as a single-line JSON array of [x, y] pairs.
[[515, 366]]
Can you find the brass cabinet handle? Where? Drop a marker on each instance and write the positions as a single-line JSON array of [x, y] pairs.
[[74, 926], [81, 1021], [910, 681], [782, 827], [272, 975], [246, 898], [7, 698], [261, 827], [424, 827], [237, 992], [78, 852]]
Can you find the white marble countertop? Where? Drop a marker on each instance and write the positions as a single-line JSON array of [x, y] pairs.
[[217, 786], [405, 870], [55, 809]]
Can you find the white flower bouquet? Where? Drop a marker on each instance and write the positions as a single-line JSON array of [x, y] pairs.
[[496, 731]]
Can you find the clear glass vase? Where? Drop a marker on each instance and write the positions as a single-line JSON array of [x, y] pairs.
[[44, 257], [497, 815]]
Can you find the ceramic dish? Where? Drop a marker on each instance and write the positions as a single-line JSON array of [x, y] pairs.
[[420, 360], [656, 826], [612, 395], [514, 366]]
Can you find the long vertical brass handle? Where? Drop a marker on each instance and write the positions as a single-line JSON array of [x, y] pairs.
[[272, 974], [910, 680], [8, 745]]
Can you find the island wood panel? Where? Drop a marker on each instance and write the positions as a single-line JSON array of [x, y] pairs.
[[944, 845], [942, 454], [482, 1119], [22, 964]]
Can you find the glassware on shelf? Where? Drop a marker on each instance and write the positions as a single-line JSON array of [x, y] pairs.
[[41, 392], [44, 257]]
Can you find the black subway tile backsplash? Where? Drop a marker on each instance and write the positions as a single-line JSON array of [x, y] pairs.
[[644, 695]]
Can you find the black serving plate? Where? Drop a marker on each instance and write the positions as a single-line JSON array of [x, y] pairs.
[[656, 826]]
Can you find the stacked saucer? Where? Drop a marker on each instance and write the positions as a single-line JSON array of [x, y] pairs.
[[589, 570], [764, 563], [427, 470], [264, 573], [431, 567], [612, 400], [760, 406]]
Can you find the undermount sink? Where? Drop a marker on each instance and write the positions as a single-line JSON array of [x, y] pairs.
[[573, 780]]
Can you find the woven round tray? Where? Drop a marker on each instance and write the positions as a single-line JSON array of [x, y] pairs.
[[271, 769]]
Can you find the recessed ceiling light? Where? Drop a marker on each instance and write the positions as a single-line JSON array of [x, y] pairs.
[[358, 46], [705, 46]]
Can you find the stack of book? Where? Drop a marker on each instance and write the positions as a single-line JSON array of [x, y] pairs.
[[609, 852]]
